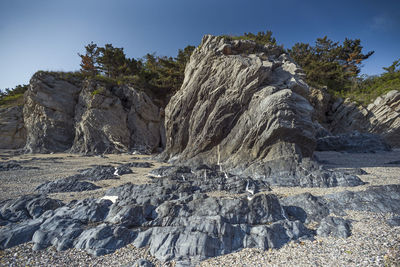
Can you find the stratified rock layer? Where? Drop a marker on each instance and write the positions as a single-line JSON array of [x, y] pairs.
[[240, 103], [90, 118]]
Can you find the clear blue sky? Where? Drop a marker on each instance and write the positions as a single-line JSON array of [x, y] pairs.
[[48, 34]]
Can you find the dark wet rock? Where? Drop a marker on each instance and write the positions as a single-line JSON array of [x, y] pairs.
[[89, 210], [57, 231], [305, 174], [394, 221], [150, 194], [196, 228], [13, 165], [177, 182], [79, 182], [383, 198], [27, 207], [69, 184], [99, 172], [123, 169], [130, 215], [334, 226], [139, 164], [164, 171], [305, 207], [354, 142], [18, 233], [104, 239], [308, 208]]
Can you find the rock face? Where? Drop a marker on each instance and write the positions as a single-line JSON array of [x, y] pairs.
[[382, 117], [91, 118], [12, 130], [240, 103], [49, 112]]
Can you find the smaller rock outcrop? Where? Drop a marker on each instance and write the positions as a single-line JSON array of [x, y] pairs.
[[91, 117], [382, 117], [12, 129], [49, 112]]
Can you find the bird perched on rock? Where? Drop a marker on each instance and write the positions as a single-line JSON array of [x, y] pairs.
[[250, 187]]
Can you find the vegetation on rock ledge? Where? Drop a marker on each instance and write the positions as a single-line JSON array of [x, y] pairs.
[[13, 97]]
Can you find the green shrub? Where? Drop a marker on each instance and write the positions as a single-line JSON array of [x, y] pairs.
[[366, 90], [100, 91], [13, 97]]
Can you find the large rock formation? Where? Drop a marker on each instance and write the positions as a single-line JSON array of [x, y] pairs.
[[242, 106], [240, 103], [12, 130], [92, 117], [381, 117]]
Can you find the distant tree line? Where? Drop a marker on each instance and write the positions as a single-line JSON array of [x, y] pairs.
[[325, 63], [336, 66]]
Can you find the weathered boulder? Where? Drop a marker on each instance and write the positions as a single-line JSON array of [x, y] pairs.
[[27, 207], [381, 117], [91, 117], [238, 108], [334, 226], [104, 239], [305, 207], [12, 129], [19, 233]]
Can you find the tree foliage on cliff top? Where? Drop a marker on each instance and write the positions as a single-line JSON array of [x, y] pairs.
[[366, 89], [159, 76], [329, 63], [13, 97]]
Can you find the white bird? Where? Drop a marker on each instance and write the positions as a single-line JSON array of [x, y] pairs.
[[226, 175], [183, 178], [251, 191], [116, 171], [249, 198]]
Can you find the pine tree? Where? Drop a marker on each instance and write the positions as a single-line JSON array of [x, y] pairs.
[[88, 64]]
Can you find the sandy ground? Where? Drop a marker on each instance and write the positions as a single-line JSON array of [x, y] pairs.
[[60, 165]]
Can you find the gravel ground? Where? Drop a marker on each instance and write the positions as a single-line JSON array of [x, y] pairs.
[[23, 255], [372, 243]]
